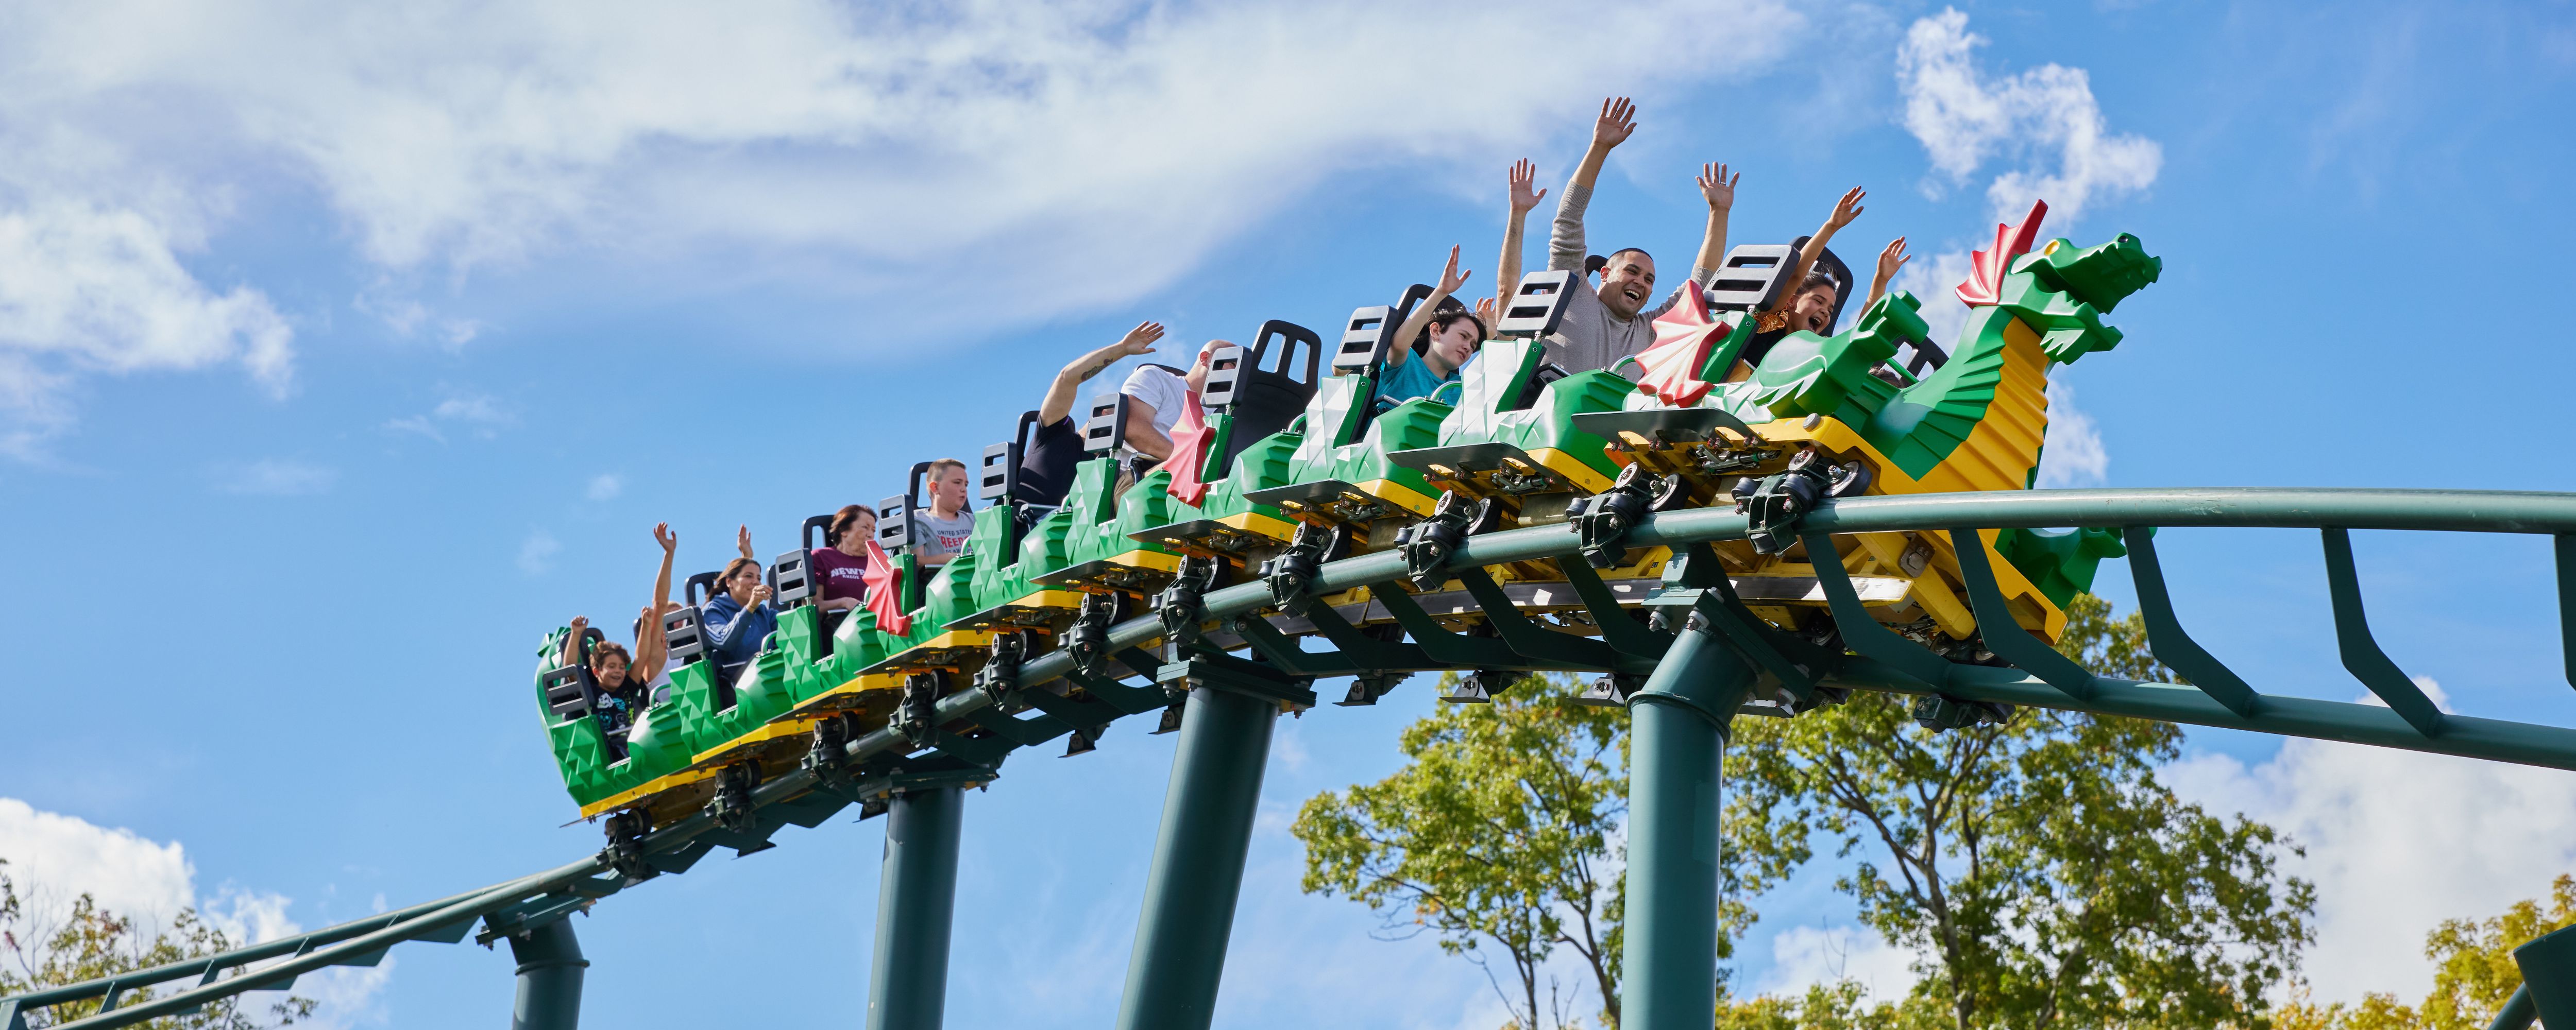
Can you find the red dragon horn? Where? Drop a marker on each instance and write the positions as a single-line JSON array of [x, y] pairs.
[[1985, 283]]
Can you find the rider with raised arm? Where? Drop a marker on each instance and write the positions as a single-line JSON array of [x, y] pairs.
[[739, 618], [1436, 340], [1610, 320], [1046, 471], [623, 679]]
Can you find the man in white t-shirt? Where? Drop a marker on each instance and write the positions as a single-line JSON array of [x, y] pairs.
[[1159, 396], [939, 531]]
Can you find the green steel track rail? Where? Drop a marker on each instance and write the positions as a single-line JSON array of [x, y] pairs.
[[2218, 696]]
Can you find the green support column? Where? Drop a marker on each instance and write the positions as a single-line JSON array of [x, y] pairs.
[[1198, 862], [1677, 728], [916, 899], [550, 972], [2548, 966]]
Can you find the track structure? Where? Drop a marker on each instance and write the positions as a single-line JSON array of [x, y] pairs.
[[1684, 675]]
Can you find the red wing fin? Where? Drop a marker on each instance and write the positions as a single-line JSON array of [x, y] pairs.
[[1985, 282], [885, 592], [1670, 366], [1190, 440]]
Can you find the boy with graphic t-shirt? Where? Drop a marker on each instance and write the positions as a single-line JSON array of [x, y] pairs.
[[939, 531]]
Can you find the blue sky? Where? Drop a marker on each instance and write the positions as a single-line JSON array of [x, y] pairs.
[[343, 352]]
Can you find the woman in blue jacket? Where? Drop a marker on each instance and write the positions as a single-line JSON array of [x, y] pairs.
[[738, 619]]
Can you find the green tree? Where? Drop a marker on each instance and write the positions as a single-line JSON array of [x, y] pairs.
[[1830, 1007], [2038, 868], [2475, 976], [2042, 874], [1497, 832], [90, 943]]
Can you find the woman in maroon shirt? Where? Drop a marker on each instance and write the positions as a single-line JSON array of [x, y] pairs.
[[842, 565]]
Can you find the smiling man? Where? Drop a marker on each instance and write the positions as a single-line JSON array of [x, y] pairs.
[[1608, 319]]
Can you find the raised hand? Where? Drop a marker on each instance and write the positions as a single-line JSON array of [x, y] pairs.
[[1451, 278], [1717, 187], [1618, 119], [1523, 175], [579, 623], [742, 539], [1845, 209], [1891, 259], [1140, 340], [1485, 312], [662, 535]]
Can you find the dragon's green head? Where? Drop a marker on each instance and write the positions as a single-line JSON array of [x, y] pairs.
[[2100, 276]]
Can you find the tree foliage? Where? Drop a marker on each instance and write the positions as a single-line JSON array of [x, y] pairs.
[[1497, 832], [90, 943], [2475, 977], [2039, 870]]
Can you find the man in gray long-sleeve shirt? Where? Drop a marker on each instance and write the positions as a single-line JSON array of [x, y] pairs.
[[1605, 323]]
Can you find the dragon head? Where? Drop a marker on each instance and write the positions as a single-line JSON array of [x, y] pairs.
[[2100, 276]]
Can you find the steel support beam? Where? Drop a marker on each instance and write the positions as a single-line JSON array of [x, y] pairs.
[[1198, 861], [916, 902], [1677, 726], [2548, 965], [550, 972]]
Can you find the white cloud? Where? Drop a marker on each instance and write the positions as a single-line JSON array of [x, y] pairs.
[[54, 858], [1806, 955], [1099, 148], [64, 857], [2073, 454], [537, 552], [605, 487], [2045, 117], [2397, 841], [90, 288], [274, 477], [1933, 281], [481, 414]]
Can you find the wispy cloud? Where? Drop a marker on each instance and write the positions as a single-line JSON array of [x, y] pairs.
[[2073, 455], [1806, 955], [2397, 841], [605, 487], [475, 413], [274, 477], [92, 288], [2045, 118], [537, 552]]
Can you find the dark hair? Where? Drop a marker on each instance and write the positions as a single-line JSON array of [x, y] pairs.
[[1819, 277], [1441, 322], [842, 519], [734, 568], [603, 649], [1594, 264]]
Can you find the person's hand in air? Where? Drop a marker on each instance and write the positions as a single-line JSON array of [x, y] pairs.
[[579, 623], [1890, 261], [662, 535], [1485, 311], [1451, 278], [1717, 187], [1139, 340], [1523, 176], [1845, 209], [1618, 120], [742, 539]]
